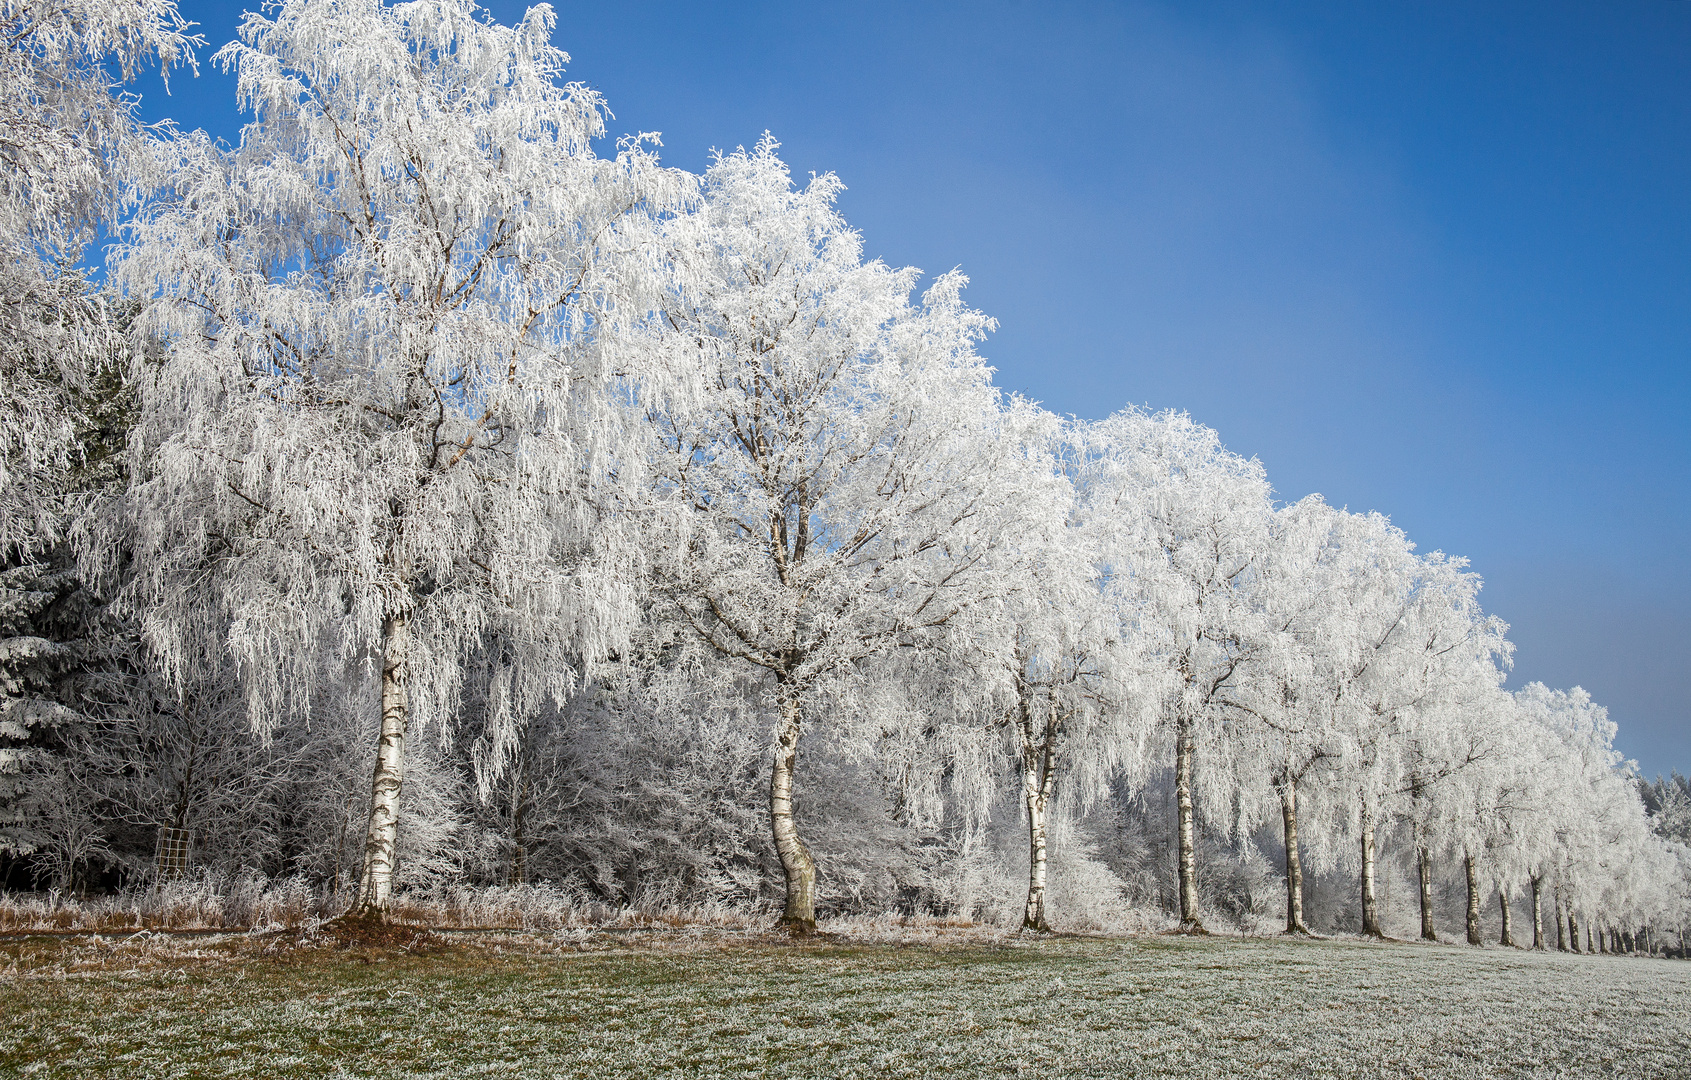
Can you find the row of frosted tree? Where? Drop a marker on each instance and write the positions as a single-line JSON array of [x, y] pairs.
[[428, 490]]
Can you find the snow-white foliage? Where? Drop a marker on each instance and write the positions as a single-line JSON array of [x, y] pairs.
[[838, 484], [387, 380], [66, 134]]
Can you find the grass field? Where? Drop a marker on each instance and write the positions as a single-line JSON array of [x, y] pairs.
[[516, 1006]]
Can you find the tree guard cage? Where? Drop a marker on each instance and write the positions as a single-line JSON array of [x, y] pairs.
[[172, 854]]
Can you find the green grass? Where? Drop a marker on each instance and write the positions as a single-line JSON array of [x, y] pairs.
[[528, 1007]]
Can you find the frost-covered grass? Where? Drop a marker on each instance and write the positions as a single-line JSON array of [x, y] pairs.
[[213, 902], [725, 1003]]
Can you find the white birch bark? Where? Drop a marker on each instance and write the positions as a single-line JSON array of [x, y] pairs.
[[1188, 855], [1538, 942], [1472, 871], [1424, 874], [375, 883], [797, 865], [1294, 864], [1039, 781], [1370, 904]]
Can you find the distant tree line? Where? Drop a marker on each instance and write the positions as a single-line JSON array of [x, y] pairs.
[[424, 497]]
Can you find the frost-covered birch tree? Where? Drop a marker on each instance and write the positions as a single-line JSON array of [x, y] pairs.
[[839, 485], [1182, 522], [384, 414], [1055, 656], [1291, 685]]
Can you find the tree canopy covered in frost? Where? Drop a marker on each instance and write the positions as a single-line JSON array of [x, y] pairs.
[[498, 508], [391, 319]]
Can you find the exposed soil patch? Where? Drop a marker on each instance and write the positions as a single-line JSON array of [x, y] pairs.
[[368, 932]]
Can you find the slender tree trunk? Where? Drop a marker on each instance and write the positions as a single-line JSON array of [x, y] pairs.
[[1294, 865], [1508, 937], [1472, 871], [1033, 914], [375, 884], [1537, 913], [1573, 930], [797, 865], [1424, 865], [1370, 905], [1561, 925], [1039, 782], [1185, 748], [519, 822]]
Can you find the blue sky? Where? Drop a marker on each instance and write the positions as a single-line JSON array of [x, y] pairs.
[[1428, 259]]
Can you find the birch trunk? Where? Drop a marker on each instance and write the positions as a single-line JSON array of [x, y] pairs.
[[1039, 780], [1184, 751], [375, 884], [1033, 915], [1294, 865], [1508, 937], [1424, 866], [1537, 914], [797, 865], [1370, 905], [1473, 899]]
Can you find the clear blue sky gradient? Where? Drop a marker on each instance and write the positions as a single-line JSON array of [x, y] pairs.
[[1428, 259]]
